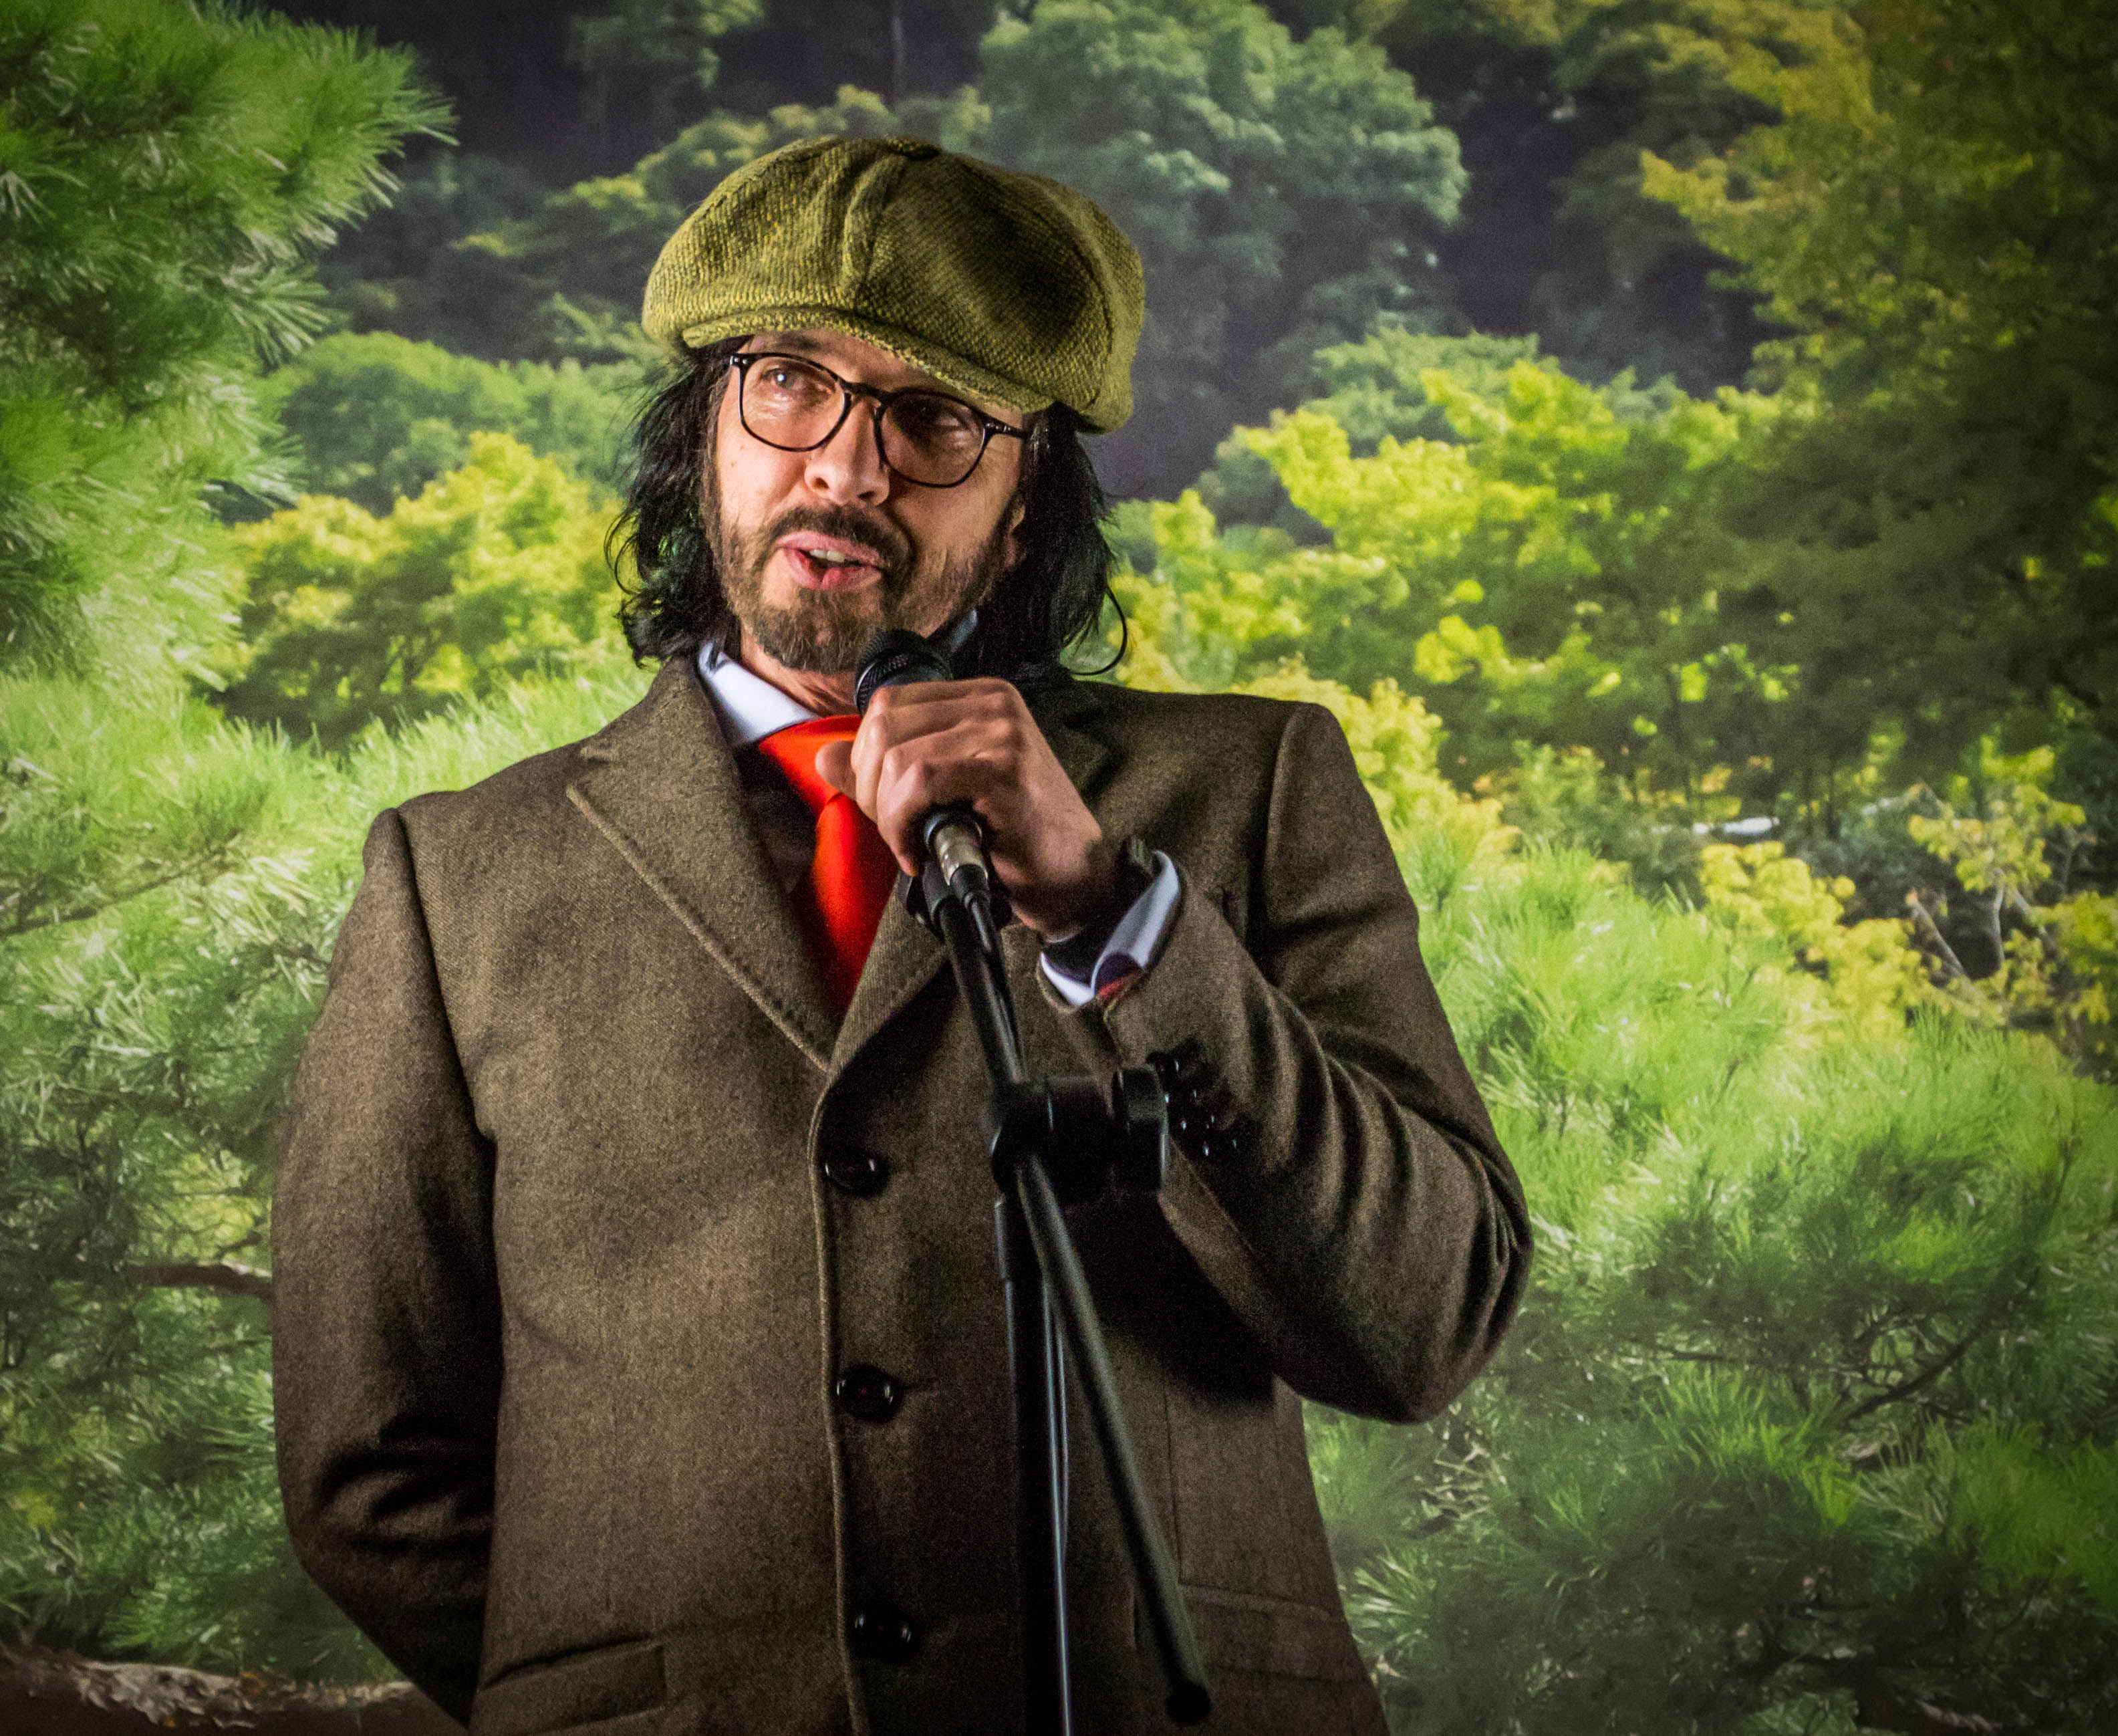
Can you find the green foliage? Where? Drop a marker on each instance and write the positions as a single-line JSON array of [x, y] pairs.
[[402, 272], [163, 176], [1872, 970], [496, 571], [376, 418], [564, 277], [1554, 101], [1602, 569], [1933, 220], [1808, 1421], [1282, 193], [2012, 848], [1372, 389], [148, 1053], [1564, 798], [1552, 573], [1809, 1414], [650, 55], [166, 172]]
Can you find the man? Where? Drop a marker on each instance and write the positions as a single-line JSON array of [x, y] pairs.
[[639, 1353]]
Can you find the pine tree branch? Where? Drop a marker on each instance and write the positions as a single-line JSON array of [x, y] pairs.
[[215, 859], [1906, 1389], [231, 1277]]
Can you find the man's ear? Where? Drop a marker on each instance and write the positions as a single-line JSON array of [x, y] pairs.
[[1011, 546]]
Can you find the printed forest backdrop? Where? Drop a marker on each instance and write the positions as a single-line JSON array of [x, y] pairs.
[[1679, 438]]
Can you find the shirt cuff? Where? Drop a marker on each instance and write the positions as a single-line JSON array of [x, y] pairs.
[[1131, 948]]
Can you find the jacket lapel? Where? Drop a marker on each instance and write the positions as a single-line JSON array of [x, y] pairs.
[[659, 784], [904, 955]]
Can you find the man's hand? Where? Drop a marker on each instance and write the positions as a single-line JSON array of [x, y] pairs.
[[925, 745]]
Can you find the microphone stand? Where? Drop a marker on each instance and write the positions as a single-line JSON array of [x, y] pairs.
[[1055, 1142]]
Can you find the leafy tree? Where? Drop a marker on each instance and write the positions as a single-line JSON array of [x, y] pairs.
[[1872, 969], [161, 187], [376, 417], [566, 91], [402, 272], [149, 1052], [1933, 221], [495, 571], [166, 172], [1554, 103], [2015, 851], [1371, 388], [1808, 1421], [1282, 193], [651, 61], [566, 279], [1557, 567], [1551, 574], [805, 51]]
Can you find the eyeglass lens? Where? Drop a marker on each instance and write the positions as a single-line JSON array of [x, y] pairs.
[[926, 436]]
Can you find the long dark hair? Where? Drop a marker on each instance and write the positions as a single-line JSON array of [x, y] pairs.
[[1050, 600]]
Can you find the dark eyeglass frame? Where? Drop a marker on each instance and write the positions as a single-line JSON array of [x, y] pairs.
[[848, 389]]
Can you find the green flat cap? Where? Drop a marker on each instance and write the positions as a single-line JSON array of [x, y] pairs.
[[1004, 285]]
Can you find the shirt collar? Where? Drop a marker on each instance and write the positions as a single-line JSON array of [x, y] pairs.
[[749, 706]]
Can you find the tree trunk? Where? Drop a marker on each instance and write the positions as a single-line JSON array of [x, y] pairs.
[[53, 1693]]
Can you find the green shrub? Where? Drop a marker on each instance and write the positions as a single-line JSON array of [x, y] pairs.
[[376, 418], [1807, 1416]]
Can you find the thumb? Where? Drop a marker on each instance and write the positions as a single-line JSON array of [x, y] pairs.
[[835, 766]]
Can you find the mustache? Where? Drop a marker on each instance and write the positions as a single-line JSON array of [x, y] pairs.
[[878, 533]]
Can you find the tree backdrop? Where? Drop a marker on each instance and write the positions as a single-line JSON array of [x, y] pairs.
[[1673, 436]]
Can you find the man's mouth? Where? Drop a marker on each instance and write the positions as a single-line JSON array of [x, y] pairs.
[[830, 562]]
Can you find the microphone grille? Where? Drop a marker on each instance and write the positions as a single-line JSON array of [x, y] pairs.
[[894, 657]]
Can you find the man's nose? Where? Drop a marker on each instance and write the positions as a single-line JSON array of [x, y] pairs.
[[848, 466]]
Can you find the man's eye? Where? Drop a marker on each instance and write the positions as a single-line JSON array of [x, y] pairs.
[[936, 422], [793, 382]]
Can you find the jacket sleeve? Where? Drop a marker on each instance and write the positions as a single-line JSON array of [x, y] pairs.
[[1367, 1226], [386, 1343]]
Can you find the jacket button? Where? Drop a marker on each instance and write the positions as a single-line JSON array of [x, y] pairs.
[[863, 1174], [865, 1392], [880, 1629]]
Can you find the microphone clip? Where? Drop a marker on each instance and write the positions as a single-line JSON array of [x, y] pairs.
[[955, 872]]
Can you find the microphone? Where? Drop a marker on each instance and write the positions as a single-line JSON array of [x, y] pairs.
[[953, 840]]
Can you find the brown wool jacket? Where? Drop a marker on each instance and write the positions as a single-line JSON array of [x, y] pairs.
[[564, 1275]]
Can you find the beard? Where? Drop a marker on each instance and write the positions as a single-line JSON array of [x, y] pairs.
[[823, 632]]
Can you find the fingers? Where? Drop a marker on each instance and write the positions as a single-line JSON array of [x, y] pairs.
[[914, 737], [940, 743], [926, 745], [835, 766], [967, 762]]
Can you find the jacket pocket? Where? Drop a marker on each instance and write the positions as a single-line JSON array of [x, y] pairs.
[[608, 1689], [1272, 1636]]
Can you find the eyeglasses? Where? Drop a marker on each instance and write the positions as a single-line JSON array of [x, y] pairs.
[[927, 438]]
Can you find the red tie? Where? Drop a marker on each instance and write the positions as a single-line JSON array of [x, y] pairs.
[[839, 903]]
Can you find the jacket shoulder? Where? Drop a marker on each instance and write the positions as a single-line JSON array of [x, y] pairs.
[[518, 795], [1218, 722]]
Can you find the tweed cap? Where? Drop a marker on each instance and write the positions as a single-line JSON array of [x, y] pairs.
[[1004, 285]]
